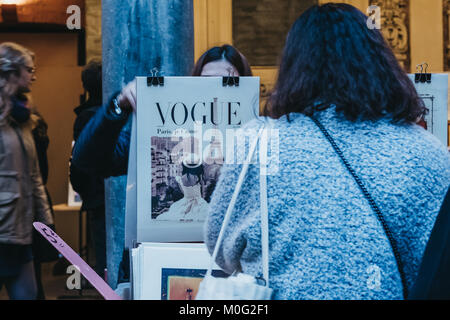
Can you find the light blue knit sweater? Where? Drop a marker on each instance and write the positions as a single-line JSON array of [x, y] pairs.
[[325, 240]]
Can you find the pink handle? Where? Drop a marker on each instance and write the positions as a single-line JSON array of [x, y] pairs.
[[102, 287]]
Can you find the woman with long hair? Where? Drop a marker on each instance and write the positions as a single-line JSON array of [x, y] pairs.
[[222, 61], [358, 185], [22, 195]]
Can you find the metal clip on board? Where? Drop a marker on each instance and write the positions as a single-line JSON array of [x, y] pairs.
[[154, 80], [135, 244], [230, 81], [422, 77]]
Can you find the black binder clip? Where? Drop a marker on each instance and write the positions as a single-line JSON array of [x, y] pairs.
[[154, 80], [230, 81], [422, 77], [135, 244]]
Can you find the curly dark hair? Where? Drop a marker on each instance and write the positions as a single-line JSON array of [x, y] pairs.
[[227, 52], [332, 57], [91, 76]]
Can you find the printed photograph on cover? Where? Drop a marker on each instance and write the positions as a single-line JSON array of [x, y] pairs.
[[428, 100], [181, 186], [183, 284]]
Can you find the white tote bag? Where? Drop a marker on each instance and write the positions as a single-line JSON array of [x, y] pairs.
[[242, 286]]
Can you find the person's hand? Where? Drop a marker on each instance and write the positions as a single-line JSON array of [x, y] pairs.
[[127, 98]]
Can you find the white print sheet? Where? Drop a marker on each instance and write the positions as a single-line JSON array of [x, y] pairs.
[[170, 271], [435, 97], [182, 131]]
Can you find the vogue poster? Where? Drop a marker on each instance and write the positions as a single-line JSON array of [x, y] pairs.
[[184, 131]]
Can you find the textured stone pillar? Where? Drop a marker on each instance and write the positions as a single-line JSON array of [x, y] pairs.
[[138, 35]]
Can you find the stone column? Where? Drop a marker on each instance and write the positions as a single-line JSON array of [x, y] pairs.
[[138, 35]]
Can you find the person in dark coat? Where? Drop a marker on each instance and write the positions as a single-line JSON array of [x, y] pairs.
[[43, 251], [433, 280], [90, 187]]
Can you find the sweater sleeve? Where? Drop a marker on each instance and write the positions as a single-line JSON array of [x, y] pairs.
[[81, 121], [103, 144], [218, 207], [242, 238]]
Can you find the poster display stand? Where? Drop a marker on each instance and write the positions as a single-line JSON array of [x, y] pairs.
[[180, 138]]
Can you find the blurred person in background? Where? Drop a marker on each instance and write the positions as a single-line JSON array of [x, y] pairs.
[[43, 251], [91, 187], [23, 199]]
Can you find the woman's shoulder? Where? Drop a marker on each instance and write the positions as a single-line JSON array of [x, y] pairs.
[[283, 121], [416, 143], [407, 143]]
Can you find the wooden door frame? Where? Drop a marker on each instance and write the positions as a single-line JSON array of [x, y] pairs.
[[213, 26]]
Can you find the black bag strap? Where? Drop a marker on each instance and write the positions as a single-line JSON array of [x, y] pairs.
[[372, 203]]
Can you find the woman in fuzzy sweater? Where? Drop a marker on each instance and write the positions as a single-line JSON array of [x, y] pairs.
[[325, 239]]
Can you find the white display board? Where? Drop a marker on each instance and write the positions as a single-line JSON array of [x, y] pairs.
[[435, 97], [170, 271], [73, 198], [181, 131]]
